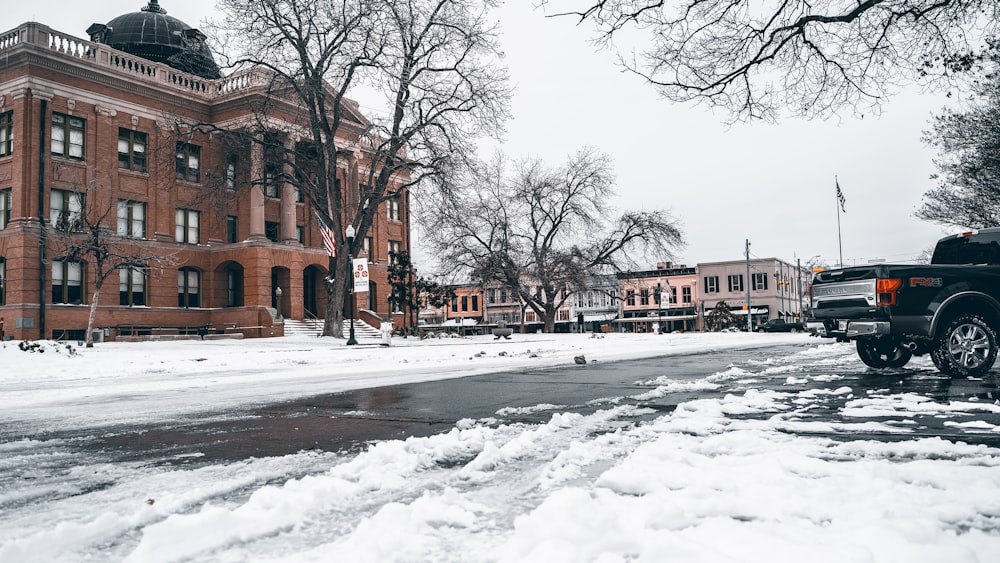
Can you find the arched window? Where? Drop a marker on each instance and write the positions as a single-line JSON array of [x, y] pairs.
[[67, 282], [188, 288]]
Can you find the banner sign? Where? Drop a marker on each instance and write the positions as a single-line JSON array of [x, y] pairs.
[[360, 273]]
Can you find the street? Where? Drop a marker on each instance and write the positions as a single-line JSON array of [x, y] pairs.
[[510, 440]]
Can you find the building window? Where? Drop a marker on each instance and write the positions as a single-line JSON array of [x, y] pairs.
[[735, 282], [759, 281], [131, 150], [393, 205], [644, 296], [234, 287], [66, 210], [271, 230], [232, 232], [363, 192], [395, 248], [67, 282], [5, 203], [7, 133], [188, 288], [272, 173], [465, 303], [300, 234], [454, 304], [686, 294], [188, 162], [366, 248], [186, 226], [671, 294], [68, 134], [475, 302], [630, 298], [131, 219], [3, 281], [231, 164], [132, 287], [711, 284]]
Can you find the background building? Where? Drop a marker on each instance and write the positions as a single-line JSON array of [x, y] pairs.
[[91, 127], [662, 299], [596, 305], [777, 288]]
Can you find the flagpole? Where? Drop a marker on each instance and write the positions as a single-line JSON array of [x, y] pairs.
[[840, 244]]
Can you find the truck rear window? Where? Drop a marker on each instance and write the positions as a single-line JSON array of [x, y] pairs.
[[979, 248]]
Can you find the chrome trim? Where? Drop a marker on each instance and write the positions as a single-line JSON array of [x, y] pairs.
[[838, 291], [866, 328]]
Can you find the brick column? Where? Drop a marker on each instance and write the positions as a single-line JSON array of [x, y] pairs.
[[288, 220], [257, 231]]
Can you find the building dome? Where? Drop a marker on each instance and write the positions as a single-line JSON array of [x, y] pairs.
[[151, 34]]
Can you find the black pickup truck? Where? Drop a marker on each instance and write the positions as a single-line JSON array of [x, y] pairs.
[[949, 308]]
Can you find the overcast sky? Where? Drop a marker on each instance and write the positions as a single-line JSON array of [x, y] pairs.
[[771, 184]]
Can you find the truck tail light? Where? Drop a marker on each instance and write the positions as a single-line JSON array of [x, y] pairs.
[[885, 289]]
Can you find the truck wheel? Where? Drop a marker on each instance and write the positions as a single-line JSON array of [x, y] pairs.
[[967, 347], [881, 353]]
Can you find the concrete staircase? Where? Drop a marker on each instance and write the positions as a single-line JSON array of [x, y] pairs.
[[314, 327]]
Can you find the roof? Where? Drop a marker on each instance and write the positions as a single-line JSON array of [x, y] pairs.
[[151, 34]]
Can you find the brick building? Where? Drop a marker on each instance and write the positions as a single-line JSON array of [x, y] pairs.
[[90, 126], [663, 300]]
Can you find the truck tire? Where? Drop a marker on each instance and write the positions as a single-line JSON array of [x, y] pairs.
[[881, 353], [966, 348]]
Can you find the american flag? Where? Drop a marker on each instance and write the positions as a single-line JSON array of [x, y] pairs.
[[327, 234], [840, 197]]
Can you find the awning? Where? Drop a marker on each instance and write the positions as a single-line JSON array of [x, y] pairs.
[[599, 317], [657, 319], [465, 322]]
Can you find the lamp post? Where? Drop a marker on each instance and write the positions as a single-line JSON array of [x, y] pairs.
[[277, 293], [659, 304], [351, 341]]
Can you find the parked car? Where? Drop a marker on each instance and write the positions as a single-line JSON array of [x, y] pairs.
[[949, 308], [781, 325], [815, 328]]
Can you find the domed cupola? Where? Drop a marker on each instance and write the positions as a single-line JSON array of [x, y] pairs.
[[151, 34]]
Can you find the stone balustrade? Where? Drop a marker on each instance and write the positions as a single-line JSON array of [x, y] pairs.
[[40, 35]]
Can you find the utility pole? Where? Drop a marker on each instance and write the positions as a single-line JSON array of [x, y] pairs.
[[798, 280], [747, 284]]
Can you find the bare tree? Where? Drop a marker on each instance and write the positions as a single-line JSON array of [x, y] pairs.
[[541, 232], [759, 59], [968, 162], [90, 231], [433, 60]]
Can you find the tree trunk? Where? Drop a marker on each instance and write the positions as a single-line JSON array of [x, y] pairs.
[[93, 314], [333, 322], [336, 291]]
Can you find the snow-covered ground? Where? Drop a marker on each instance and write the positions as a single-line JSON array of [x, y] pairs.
[[744, 473]]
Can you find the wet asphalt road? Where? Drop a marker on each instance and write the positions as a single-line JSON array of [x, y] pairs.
[[348, 421]]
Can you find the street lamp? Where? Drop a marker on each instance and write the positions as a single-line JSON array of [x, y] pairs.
[[659, 303], [277, 293], [351, 341]]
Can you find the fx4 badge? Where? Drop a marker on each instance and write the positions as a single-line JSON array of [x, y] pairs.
[[925, 282]]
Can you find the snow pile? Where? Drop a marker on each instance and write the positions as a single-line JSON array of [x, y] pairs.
[[744, 473]]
